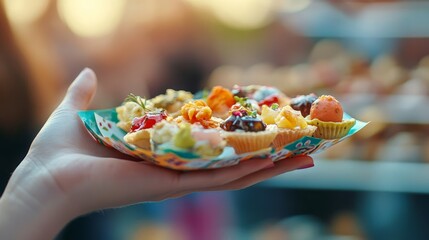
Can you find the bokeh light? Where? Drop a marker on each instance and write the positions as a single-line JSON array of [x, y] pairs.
[[19, 12], [244, 14], [91, 18], [240, 14]]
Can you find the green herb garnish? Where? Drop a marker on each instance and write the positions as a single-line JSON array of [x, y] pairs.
[[275, 106], [246, 105], [137, 99], [252, 113], [243, 102]]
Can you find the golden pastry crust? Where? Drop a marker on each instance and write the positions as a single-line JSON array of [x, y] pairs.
[[332, 130], [140, 138]]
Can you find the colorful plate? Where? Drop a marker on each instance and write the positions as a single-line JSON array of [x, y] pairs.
[[101, 124]]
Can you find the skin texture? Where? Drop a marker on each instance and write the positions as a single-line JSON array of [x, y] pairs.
[[66, 174]]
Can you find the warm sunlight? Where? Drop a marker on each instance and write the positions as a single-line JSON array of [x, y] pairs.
[[91, 18], [19, 12]]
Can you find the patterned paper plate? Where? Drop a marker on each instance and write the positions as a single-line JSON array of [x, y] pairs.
[[101, 124]]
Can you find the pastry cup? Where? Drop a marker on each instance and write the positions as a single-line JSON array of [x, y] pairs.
[[331, 130], [244, 142], [286, 136]]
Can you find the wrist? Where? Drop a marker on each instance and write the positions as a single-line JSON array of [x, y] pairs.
[[30, 209]]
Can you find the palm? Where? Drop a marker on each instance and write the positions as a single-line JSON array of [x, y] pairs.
[[81, 165]]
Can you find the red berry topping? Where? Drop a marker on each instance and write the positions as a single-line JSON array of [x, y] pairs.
[[147, 121], [269, 100], [239, 113]]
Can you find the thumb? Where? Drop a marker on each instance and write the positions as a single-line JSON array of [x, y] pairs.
[[81, 91]]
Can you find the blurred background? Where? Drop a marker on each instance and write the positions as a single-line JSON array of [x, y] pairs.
[[372, 55]]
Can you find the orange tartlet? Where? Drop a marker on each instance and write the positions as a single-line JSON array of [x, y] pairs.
[[326, 108], [197, 112], [220, 100], [327, 114]]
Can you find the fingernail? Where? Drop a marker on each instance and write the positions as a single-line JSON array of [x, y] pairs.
[[85, 71], [307, 166]]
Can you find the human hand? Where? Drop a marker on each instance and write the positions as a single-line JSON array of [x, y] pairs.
[[66, 173]]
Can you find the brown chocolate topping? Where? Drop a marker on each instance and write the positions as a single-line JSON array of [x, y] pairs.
[[303, 103]]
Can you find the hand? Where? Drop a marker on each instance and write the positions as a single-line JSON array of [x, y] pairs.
[[66, 173]]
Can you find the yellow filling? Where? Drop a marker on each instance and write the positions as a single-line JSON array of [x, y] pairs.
[[291, 119], [268, 114]]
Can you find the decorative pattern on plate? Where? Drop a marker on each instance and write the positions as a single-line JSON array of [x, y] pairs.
[[101, 124]]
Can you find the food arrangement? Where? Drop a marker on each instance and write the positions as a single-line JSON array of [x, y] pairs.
[[182, 131]]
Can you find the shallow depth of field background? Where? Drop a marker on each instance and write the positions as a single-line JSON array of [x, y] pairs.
[[372, 55]]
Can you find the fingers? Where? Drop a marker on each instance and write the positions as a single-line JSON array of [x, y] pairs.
[[192, 181], [124, 182], [81, 91], [282, 166], [285, 165]]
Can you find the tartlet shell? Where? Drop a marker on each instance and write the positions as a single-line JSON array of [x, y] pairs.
[[331, 130], [286, 136], [244, 142]]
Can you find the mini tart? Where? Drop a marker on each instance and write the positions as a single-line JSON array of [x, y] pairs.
[[303, 103], [133, 107], [262, 95], [247, 134], [266, 95], [209, 142], [185, 137], [244, 142], [331, 130], [172, 101], [286, 136], [141, 129], [326, 108], [327, 114], [197, 112], [164, 131], [291, 126], [268, 114], [139, 139], [126, 113], [220, 101]]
